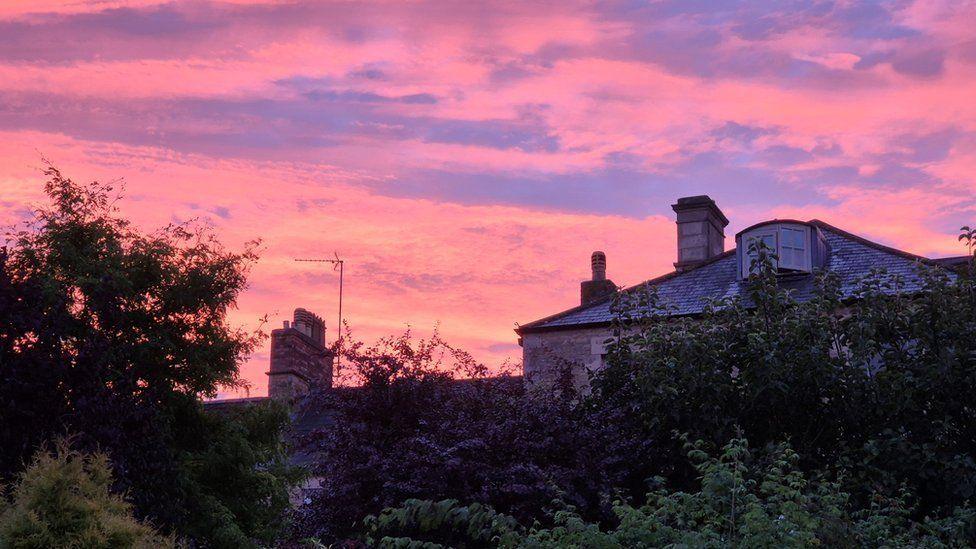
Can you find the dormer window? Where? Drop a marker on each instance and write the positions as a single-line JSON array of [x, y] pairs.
[[799, 247]]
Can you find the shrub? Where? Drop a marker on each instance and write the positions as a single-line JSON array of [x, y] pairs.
[[63, 499], [412, 430], [743, 500]]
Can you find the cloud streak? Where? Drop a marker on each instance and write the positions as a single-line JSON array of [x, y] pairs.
[[467, 157]]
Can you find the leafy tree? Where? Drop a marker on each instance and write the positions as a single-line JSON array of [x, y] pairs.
[[411, 429], [115, 335], [877, 392], [239, 476], [64, 499]]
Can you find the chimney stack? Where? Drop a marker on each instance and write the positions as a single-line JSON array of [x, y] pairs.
[[599, 286], [299, 358], [701, 231]]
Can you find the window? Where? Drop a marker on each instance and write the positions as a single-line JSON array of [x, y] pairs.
[[794, 248], [768, 238], [791, 242]]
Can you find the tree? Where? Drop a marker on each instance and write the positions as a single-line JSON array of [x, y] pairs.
[[876, 392], [413, 428], [64, 499], [115, 335], [239, 474]]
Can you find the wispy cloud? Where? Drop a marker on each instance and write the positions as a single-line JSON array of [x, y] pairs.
[[466, 157]]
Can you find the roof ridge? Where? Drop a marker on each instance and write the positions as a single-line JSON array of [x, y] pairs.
[[872, 244]]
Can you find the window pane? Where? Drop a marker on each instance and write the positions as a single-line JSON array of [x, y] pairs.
[[751, 255], [792, 238]]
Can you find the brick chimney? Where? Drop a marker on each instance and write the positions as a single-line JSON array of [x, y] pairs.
[[299, 358], [701, 230], [599, 286]]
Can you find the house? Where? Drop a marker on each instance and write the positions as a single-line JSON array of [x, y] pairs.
[[705, 271]]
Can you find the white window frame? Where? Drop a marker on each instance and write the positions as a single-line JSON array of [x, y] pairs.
[[803, 252], [788, 255]]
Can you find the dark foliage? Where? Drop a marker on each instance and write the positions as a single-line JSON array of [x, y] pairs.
[[114, 335], [741, 502], [413, 430], [874, 397], [239, 475], [877, 392]]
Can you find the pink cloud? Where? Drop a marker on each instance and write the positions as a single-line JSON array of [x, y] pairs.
[[467, 158]]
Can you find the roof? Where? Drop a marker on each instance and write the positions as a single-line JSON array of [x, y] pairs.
[[686, 293], [231, 404]]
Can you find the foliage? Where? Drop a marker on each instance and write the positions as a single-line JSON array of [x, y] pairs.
[[742, 500], [859, 413], [63, 499], [240, 478], [441, 524], [411, 430], [115, 335], [876, 392]]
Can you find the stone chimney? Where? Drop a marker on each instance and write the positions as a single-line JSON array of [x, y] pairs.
[[299, 358], [701, 231], [599, 286]]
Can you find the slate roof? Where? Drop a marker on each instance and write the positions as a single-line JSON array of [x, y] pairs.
[[686, 293]]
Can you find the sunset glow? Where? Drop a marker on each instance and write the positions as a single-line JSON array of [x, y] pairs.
[[466, 158]]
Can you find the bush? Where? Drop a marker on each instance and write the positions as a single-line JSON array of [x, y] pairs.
[[239, 476], [743, 500], [876, 393], [63, 499], [412, 430], [441, 524]]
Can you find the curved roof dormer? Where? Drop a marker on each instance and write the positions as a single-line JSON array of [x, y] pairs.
[[799, 246]]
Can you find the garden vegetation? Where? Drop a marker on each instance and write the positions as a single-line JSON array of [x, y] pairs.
[[764, 422]]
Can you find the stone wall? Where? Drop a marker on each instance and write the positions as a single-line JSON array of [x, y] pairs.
[[543, 354]]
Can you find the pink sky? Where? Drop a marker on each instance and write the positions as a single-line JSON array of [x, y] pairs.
[[465, 158]]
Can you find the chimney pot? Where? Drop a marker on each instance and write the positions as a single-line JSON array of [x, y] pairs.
[[599, 263], [598, 286]]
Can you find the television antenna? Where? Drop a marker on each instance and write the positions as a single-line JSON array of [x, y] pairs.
[[337, 264]]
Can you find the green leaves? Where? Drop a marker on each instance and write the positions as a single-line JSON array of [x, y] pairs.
[[741, 501], [64, 499], [116, 334], [445, 524], [238, 474]]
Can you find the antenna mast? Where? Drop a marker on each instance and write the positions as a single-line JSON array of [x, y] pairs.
[[336, 264]]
